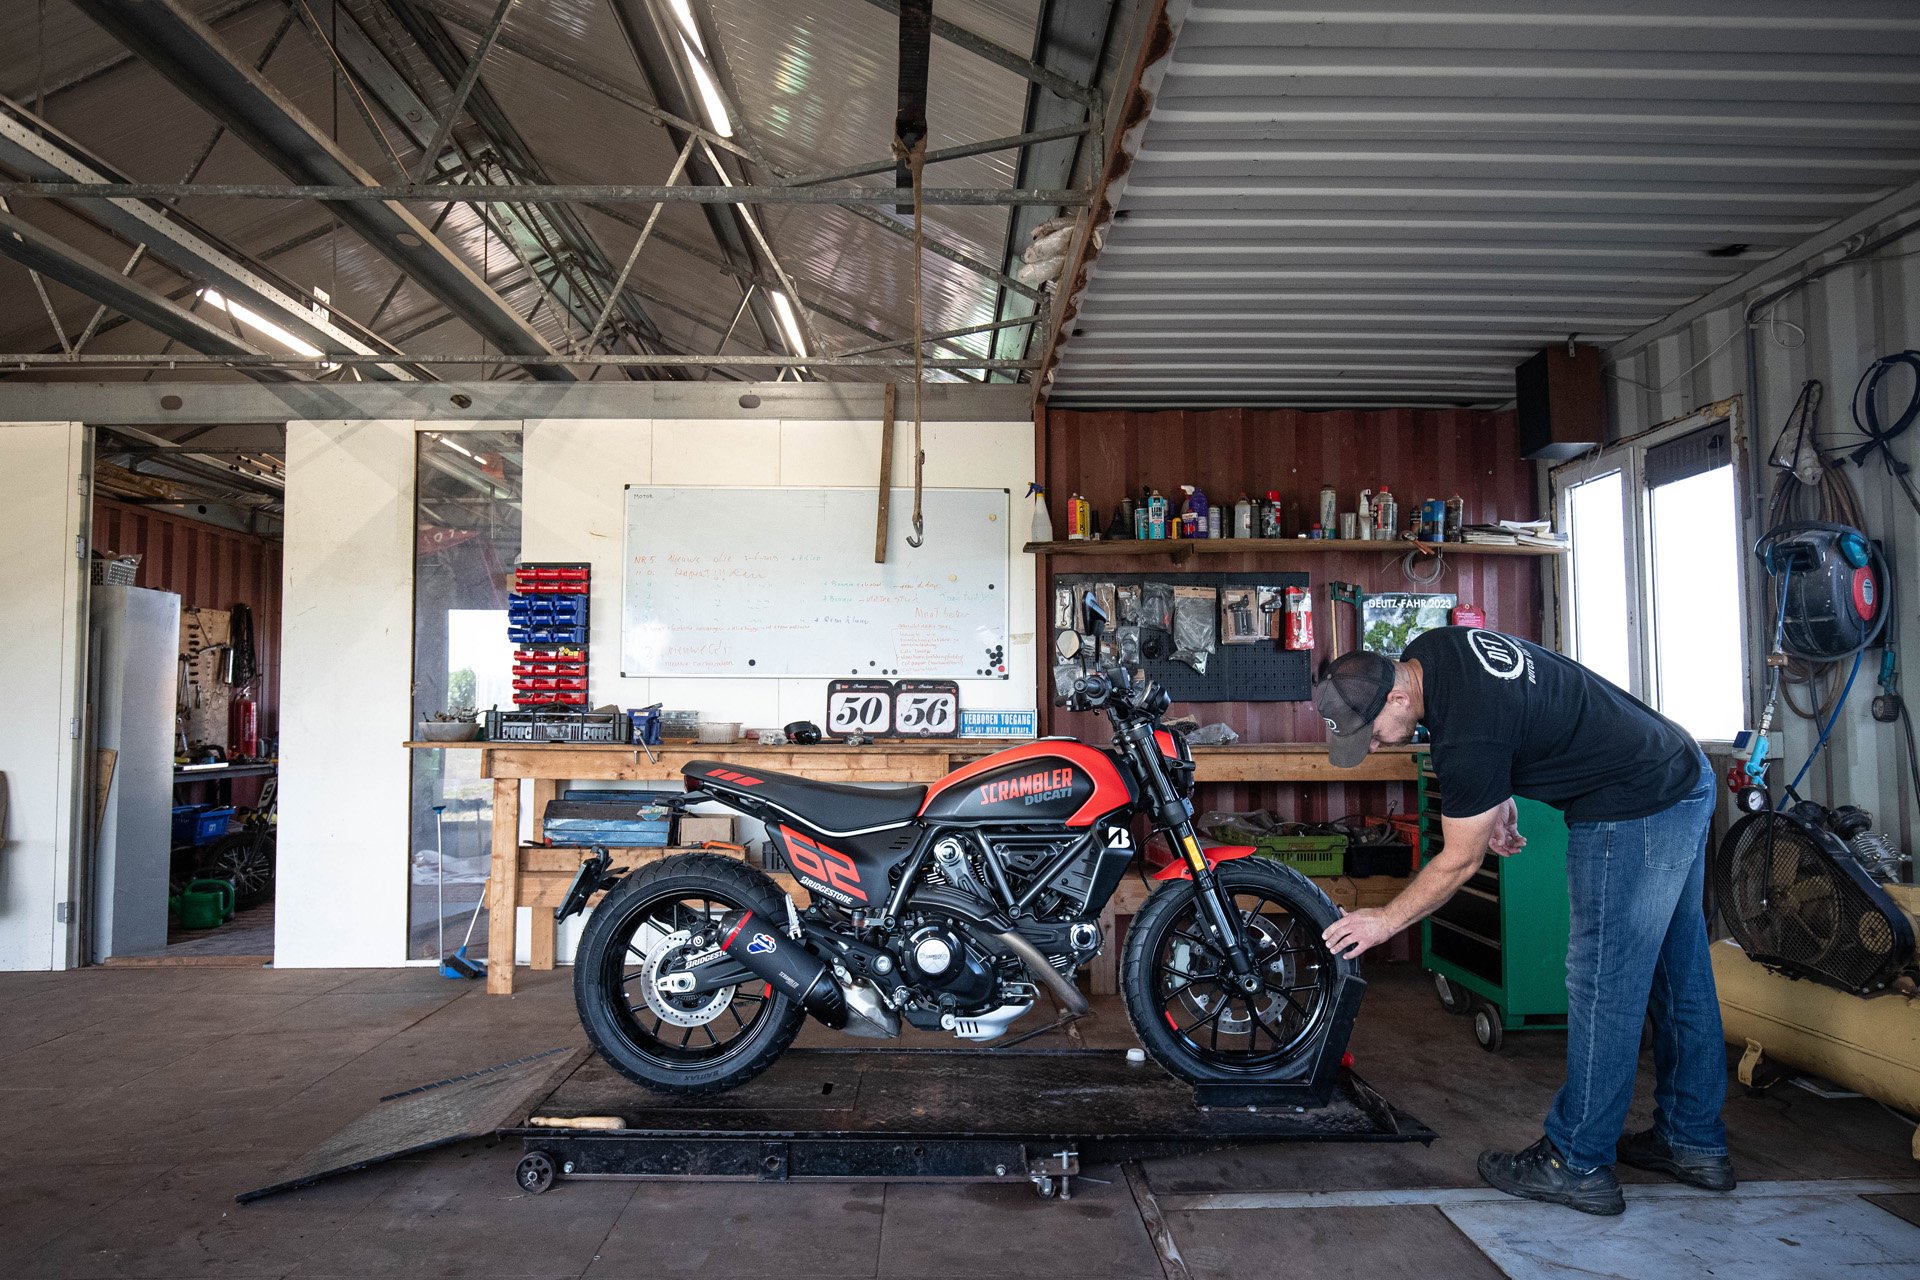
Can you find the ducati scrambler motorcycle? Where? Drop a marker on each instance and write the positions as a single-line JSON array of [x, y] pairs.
[[952, 908]]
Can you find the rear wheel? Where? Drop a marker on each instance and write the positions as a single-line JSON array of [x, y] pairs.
[[675, 1043], [1183, 1006], [247, 859]]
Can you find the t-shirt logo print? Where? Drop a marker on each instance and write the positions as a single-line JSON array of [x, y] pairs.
[[1499, 656]]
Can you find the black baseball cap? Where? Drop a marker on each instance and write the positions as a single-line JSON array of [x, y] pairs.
[[1349, 694]]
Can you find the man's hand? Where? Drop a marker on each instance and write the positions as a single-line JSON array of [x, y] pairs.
[[1358, 931], [1505, 839]]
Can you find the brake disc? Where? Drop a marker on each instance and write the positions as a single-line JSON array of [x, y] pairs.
[[670, 1007]]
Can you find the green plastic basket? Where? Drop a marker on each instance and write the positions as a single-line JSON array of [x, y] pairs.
[[1309, 855]]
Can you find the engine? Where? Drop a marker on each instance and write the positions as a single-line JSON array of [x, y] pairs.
[[947, 964]]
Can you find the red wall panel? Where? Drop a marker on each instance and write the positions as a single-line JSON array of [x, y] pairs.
[[208, 568], [1417, 453]]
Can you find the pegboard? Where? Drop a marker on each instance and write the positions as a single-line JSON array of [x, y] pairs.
[[1259, 672]]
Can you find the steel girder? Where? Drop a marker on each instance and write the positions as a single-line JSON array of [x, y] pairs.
[[651, 35], [38, 151], [1071, 41], [54, 258], [189, 55], [562, 224]]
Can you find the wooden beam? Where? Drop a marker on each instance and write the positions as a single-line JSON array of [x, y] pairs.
[[886, 473]]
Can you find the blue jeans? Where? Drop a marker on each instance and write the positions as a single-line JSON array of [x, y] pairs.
[[1638, 941]]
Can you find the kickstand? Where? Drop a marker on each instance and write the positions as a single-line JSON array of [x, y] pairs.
[[1055, 1025]]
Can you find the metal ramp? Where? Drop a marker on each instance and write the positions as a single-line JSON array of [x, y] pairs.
[[923, 1115]]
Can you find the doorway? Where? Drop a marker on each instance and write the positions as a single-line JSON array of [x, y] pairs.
[[183, 694]]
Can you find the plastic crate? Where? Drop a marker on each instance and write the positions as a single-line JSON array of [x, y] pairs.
[[558, 726], [183, 820], [210, 824], [1309, 855]]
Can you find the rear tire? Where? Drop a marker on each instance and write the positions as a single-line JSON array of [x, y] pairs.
[[250, 866], [1164, 975], [685, 892]]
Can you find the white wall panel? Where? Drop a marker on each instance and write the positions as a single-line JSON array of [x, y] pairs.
[[40, 585], [346, 694]]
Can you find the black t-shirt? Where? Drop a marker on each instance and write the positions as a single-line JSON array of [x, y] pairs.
[[1509, 718]]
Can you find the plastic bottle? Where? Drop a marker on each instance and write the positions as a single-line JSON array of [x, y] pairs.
[[1243, 517], [1386, 515], [1042, 521], [1316, 532], [1364, 520], [1193, 512]]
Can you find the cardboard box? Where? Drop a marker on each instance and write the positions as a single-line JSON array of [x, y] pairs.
[[697, 830]]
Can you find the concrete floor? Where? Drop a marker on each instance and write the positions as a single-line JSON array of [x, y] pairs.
[[141, 1100]]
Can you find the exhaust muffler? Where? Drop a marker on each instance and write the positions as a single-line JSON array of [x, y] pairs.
[[792, 970]]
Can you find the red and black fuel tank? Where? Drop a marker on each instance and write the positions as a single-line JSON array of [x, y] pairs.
[[1059, 781]]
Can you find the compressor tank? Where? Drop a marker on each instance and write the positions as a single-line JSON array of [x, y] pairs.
[[1870, 1045]]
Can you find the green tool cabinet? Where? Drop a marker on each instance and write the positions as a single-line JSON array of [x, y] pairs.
[[1498, 949]]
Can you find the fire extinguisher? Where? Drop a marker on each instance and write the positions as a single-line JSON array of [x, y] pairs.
[[246, 727]]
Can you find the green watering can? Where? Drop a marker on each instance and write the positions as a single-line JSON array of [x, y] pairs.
[[204, 904]]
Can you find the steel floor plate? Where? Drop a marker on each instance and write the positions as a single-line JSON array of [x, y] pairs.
[[1093, 1100]]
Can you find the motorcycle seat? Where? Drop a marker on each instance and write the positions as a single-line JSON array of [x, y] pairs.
[[835, 808]]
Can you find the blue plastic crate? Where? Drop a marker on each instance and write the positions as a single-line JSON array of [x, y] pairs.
[[183, 820], [211, 824]]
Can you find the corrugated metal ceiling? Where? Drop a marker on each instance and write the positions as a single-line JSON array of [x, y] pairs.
[[815, 80], [1397, 205]]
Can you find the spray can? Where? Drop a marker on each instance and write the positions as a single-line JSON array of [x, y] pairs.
[[1214, 528], [1386, 516], [1157, 515], [1456, 519], [1329, 506], [1364, 521], [1074, 532], [1433, 520], [1270, 515], [1299, 608]]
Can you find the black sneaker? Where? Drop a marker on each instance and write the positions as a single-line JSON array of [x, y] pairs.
[[1539, 1173], [1647, 1151]]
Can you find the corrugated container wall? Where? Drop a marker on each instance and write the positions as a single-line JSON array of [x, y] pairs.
[[1832, 330], [208, 568]]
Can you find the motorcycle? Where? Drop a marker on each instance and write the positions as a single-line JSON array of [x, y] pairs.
[[954, 906]]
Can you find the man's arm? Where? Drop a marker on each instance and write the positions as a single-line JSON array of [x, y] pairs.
[[1466, 843]]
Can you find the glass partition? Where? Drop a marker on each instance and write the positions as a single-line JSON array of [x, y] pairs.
[[467, 521]]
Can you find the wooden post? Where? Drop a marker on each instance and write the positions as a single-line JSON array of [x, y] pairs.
[[886, 474], [540, 940], [503, 895]]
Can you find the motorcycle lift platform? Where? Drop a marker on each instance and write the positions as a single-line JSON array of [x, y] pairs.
[[922, 1115]]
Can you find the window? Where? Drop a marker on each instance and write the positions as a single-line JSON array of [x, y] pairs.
[[467, 519], [1652, 591]]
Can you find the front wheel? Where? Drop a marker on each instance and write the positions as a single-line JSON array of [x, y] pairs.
[[670, 1042], [1197, 1023]]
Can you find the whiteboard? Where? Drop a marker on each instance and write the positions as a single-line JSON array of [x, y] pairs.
[[781, 582]]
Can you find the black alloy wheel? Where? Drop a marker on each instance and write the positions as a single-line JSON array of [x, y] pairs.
[[1185, 1003], [642, 931], [245, 857]]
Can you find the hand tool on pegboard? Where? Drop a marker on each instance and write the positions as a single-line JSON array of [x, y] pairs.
[[1339, 593]]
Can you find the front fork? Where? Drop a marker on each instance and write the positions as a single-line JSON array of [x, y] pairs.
[[1173, 818]]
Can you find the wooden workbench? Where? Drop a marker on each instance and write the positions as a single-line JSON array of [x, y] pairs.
[[536, 876]]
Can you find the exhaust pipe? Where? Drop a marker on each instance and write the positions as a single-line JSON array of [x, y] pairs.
[[789, 967], [1049, 977]]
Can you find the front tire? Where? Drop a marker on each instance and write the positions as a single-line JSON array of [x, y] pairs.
[[1194, 1024], [674, 1044]]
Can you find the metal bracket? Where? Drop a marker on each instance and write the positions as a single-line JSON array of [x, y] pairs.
[[773, 1162]]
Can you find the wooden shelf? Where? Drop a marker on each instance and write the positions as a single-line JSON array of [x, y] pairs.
[[1186, 548]]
